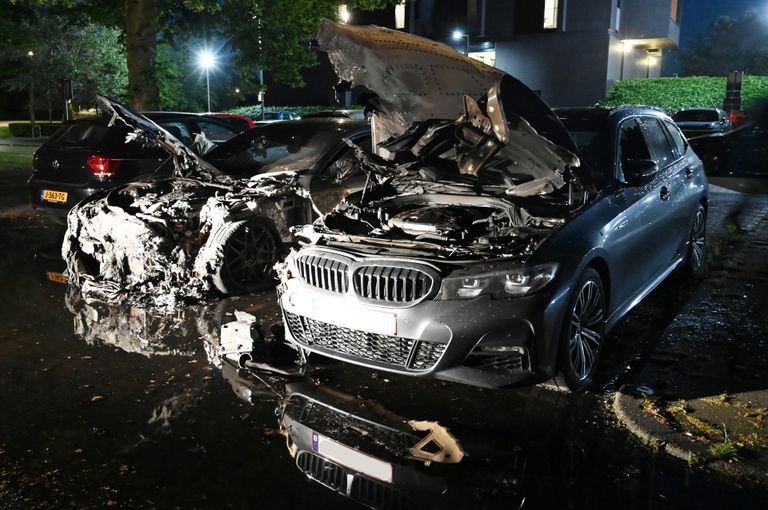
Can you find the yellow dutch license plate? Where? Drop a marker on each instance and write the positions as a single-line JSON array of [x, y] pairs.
[[57, 277], [50, 195]]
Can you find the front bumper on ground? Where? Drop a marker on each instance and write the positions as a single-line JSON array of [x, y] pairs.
[[484, 342]]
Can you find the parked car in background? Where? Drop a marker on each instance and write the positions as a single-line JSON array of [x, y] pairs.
[[499, 246], [702, 121], [239, 122], [347, 114], [220, 223], [736, 160], [86, 156], [268, 117]]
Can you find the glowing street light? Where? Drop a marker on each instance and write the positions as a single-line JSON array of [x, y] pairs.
[[207, 60], [457, 35], [30, 53], [344, 15]]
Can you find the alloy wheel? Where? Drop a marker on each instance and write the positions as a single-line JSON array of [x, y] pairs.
[[251, 252], [586, 329], [698, 238]]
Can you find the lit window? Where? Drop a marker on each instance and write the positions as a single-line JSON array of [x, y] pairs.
[[400, 15], [550, 14]]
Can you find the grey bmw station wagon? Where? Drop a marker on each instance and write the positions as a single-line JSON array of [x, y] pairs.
[[497, 241]]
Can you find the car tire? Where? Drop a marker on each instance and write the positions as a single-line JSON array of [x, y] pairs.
[[695, 258], [250, 249], [583, 333]]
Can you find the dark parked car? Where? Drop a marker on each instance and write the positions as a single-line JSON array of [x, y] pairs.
[[220, 223], [346, 114], [738, 159], [239, 122], [497, 247], [702, 121], [86, 156]]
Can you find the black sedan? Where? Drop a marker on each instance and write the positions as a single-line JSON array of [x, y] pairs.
[[87, 155]]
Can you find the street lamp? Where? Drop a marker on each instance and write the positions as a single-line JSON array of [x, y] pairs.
[[457, 35], [207, 60]]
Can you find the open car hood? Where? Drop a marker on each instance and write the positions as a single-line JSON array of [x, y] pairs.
[[185, 161], [417, 79]]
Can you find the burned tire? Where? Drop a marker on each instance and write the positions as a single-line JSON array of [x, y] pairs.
[[695, 260], [250, 249], [583, 333]]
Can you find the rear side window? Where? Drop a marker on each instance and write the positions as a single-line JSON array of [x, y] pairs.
[[215, 132], [677, 138], [179, 131], [83, 135], [661, 151]]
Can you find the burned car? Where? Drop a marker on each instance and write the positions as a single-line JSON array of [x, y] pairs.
[[498, 242], [218, 225]]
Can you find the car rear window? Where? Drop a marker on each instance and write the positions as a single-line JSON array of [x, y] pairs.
[[83, 135]]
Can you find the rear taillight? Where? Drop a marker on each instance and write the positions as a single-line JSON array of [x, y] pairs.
[[101, 166]]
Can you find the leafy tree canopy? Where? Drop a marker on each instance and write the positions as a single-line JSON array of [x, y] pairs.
[[730, 44], [254, 34]]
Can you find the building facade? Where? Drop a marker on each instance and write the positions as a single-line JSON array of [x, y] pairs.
[[570, 51]]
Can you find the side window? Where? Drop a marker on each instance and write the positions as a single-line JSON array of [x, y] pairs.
[[179, 131], [677, 138], [661, 151], [632, 142], [215, 132]]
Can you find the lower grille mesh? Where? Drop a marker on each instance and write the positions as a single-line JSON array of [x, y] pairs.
[[391, 350]]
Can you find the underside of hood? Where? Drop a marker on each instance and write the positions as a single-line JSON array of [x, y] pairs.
[[432, 105], [418, 79]]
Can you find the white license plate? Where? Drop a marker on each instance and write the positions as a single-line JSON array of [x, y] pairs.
[[362, 319], [353, 459]]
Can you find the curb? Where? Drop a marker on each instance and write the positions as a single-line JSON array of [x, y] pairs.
[[630, 413]]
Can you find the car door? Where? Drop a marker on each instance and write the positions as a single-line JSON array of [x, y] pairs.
[[636, 237], [672, 212]]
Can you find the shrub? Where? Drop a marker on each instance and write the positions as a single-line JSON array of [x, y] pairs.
[[24, 129], [672, 94]]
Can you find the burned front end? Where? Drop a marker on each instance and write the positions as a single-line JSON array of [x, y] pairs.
[[188, 238], [433, 268]]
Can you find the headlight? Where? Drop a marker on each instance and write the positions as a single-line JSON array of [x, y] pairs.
[[517, 281]]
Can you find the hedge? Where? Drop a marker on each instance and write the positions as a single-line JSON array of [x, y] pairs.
[[672, 94], [254, 111], [24, 129]]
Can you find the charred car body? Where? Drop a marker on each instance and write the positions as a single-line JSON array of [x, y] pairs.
[[218, 226], [494, 246]]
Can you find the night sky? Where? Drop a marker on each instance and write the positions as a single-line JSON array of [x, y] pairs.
[[699, 14]]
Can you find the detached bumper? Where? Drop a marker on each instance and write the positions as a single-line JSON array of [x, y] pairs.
[[483, 342]]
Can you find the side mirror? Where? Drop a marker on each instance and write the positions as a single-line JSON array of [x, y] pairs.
[[638, 172]]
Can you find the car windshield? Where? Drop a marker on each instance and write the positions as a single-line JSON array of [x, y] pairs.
[[588, 131], [276, 147], [696, 116]]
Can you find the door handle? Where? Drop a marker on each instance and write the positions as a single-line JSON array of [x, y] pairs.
[[689, 173], [664, 193]]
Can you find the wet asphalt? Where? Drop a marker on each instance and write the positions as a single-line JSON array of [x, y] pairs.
[[112, 407]]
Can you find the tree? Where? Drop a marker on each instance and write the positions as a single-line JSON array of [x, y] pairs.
[[51, 48], [262, 34], [730, 44]]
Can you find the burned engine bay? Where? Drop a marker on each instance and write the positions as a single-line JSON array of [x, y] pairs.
[[494, 182]]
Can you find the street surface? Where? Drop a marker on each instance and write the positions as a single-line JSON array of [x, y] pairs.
[[121, 408]]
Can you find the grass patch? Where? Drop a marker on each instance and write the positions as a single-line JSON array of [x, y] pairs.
[[5, 132], [10, 161], [725, 450]]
